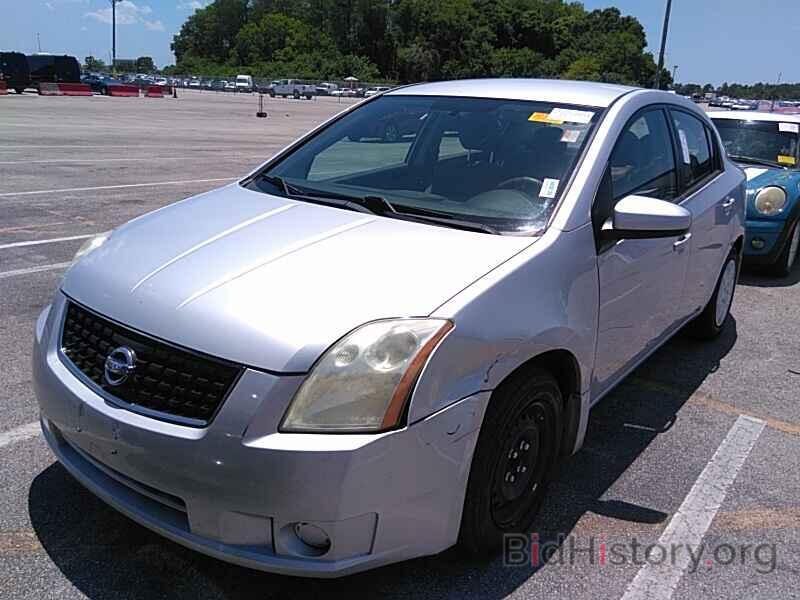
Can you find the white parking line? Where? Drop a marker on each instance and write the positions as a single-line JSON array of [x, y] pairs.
[[20, 434], [39, 269], [115, 187], [50, 241], [657, 581]]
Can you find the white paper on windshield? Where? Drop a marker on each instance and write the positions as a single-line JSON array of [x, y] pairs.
[[789, 127], [570, 116], [684, 147], [571, 136], [549, 188]]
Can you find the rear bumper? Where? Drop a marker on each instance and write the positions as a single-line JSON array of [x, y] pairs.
[[236, 489]]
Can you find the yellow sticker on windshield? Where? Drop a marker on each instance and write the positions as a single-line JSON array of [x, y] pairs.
[[787, 160], [540, 117]]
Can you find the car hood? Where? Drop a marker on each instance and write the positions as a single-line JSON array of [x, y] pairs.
[[271, 283], [760, 177]]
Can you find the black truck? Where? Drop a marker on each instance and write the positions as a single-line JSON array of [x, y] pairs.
[[14, 71], [49, 68]]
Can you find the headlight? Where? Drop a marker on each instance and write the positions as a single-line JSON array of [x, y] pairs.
[[362, 383], [90, 245], [770, 201]]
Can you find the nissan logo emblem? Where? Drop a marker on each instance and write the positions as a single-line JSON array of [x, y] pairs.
[[119, 365]]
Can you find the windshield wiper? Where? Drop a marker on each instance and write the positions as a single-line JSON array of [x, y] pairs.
[[756, 161], [316, 196], [376, 205]]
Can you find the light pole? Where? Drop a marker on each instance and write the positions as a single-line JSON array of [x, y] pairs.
[[114, 35], [667, 12], [674, 74]]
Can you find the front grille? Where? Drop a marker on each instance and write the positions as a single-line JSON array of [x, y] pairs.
[[168, 383]]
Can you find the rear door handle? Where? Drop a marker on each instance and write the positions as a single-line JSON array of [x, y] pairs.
[[681, 241]]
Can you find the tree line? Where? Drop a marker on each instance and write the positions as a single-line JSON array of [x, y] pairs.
[[756, 91], [414, 40]]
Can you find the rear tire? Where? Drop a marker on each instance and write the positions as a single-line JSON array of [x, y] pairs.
[[515, 459], [783, 266], [19, 90], [710, 322]]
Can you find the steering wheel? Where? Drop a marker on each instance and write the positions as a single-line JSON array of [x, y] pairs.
[[524, 184]]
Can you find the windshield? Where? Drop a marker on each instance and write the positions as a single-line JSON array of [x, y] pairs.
[[499, 163], [760, 141]]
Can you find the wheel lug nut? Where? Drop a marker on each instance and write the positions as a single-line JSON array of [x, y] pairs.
[[509, 477], [524, 446], [515, 454], [520, 469], [513, 479]]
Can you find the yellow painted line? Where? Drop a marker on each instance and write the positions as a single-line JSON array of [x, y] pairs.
[[706, 401]]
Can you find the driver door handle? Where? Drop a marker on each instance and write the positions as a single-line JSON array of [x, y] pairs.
[[681, 241]]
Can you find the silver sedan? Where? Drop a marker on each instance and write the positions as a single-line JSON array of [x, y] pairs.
[[375, 347]]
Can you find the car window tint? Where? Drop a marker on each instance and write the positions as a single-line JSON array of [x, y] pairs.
[[695, 161], [643, 161]]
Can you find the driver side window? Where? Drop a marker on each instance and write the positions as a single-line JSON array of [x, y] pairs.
[[643, 161]]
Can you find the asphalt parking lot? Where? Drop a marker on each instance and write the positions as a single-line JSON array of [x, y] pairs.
[[71, 167]]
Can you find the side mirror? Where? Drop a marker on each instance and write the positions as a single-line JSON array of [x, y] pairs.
[[640, 217]]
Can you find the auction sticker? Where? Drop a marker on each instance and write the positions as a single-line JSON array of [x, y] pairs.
[[571, 136], [540, 117], [789, 127], [549, 188], [684, 147], [571, 116], [787, 160]]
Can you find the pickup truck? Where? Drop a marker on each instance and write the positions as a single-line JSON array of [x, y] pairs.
[[292, 87]]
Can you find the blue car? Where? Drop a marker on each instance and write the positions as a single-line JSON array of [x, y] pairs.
[[765, 145]]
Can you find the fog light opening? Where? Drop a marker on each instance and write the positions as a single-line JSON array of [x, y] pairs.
[[307, 539], [757, 243]]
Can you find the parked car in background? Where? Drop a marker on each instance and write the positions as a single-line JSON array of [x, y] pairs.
[[292, 87], [485, 283], [325, 89], [230, 86], [194, 83], [14, 70], [99, 82], [48, 68], [244, 83], [766, 146], [162, 81], [375, 90]]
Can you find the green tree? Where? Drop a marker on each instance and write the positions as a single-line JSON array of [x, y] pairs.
[[94, 64], [145, 64]]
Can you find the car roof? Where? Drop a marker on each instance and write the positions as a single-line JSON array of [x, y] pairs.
[[599, 95], [749, 115]]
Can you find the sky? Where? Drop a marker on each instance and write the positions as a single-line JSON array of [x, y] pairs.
[[711, 41]]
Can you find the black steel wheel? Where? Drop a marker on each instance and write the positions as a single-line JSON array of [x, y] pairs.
[[515, 458]]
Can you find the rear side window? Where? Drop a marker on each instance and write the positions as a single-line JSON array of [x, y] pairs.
[[643, 161], [696, 159]]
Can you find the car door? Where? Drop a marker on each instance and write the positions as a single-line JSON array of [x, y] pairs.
[[712, 201], [641, 280]]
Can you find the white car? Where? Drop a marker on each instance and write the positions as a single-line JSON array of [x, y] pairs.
[[363, 353], [244, 83], [376, 90]]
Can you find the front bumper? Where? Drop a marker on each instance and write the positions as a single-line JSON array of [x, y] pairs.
[[236, 489], [771, 235]]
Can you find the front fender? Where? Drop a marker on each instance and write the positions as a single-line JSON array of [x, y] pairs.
[[544, 298]]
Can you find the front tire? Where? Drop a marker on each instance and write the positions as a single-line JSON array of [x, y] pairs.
[[710, 322], [783, 266], [515, 458]]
